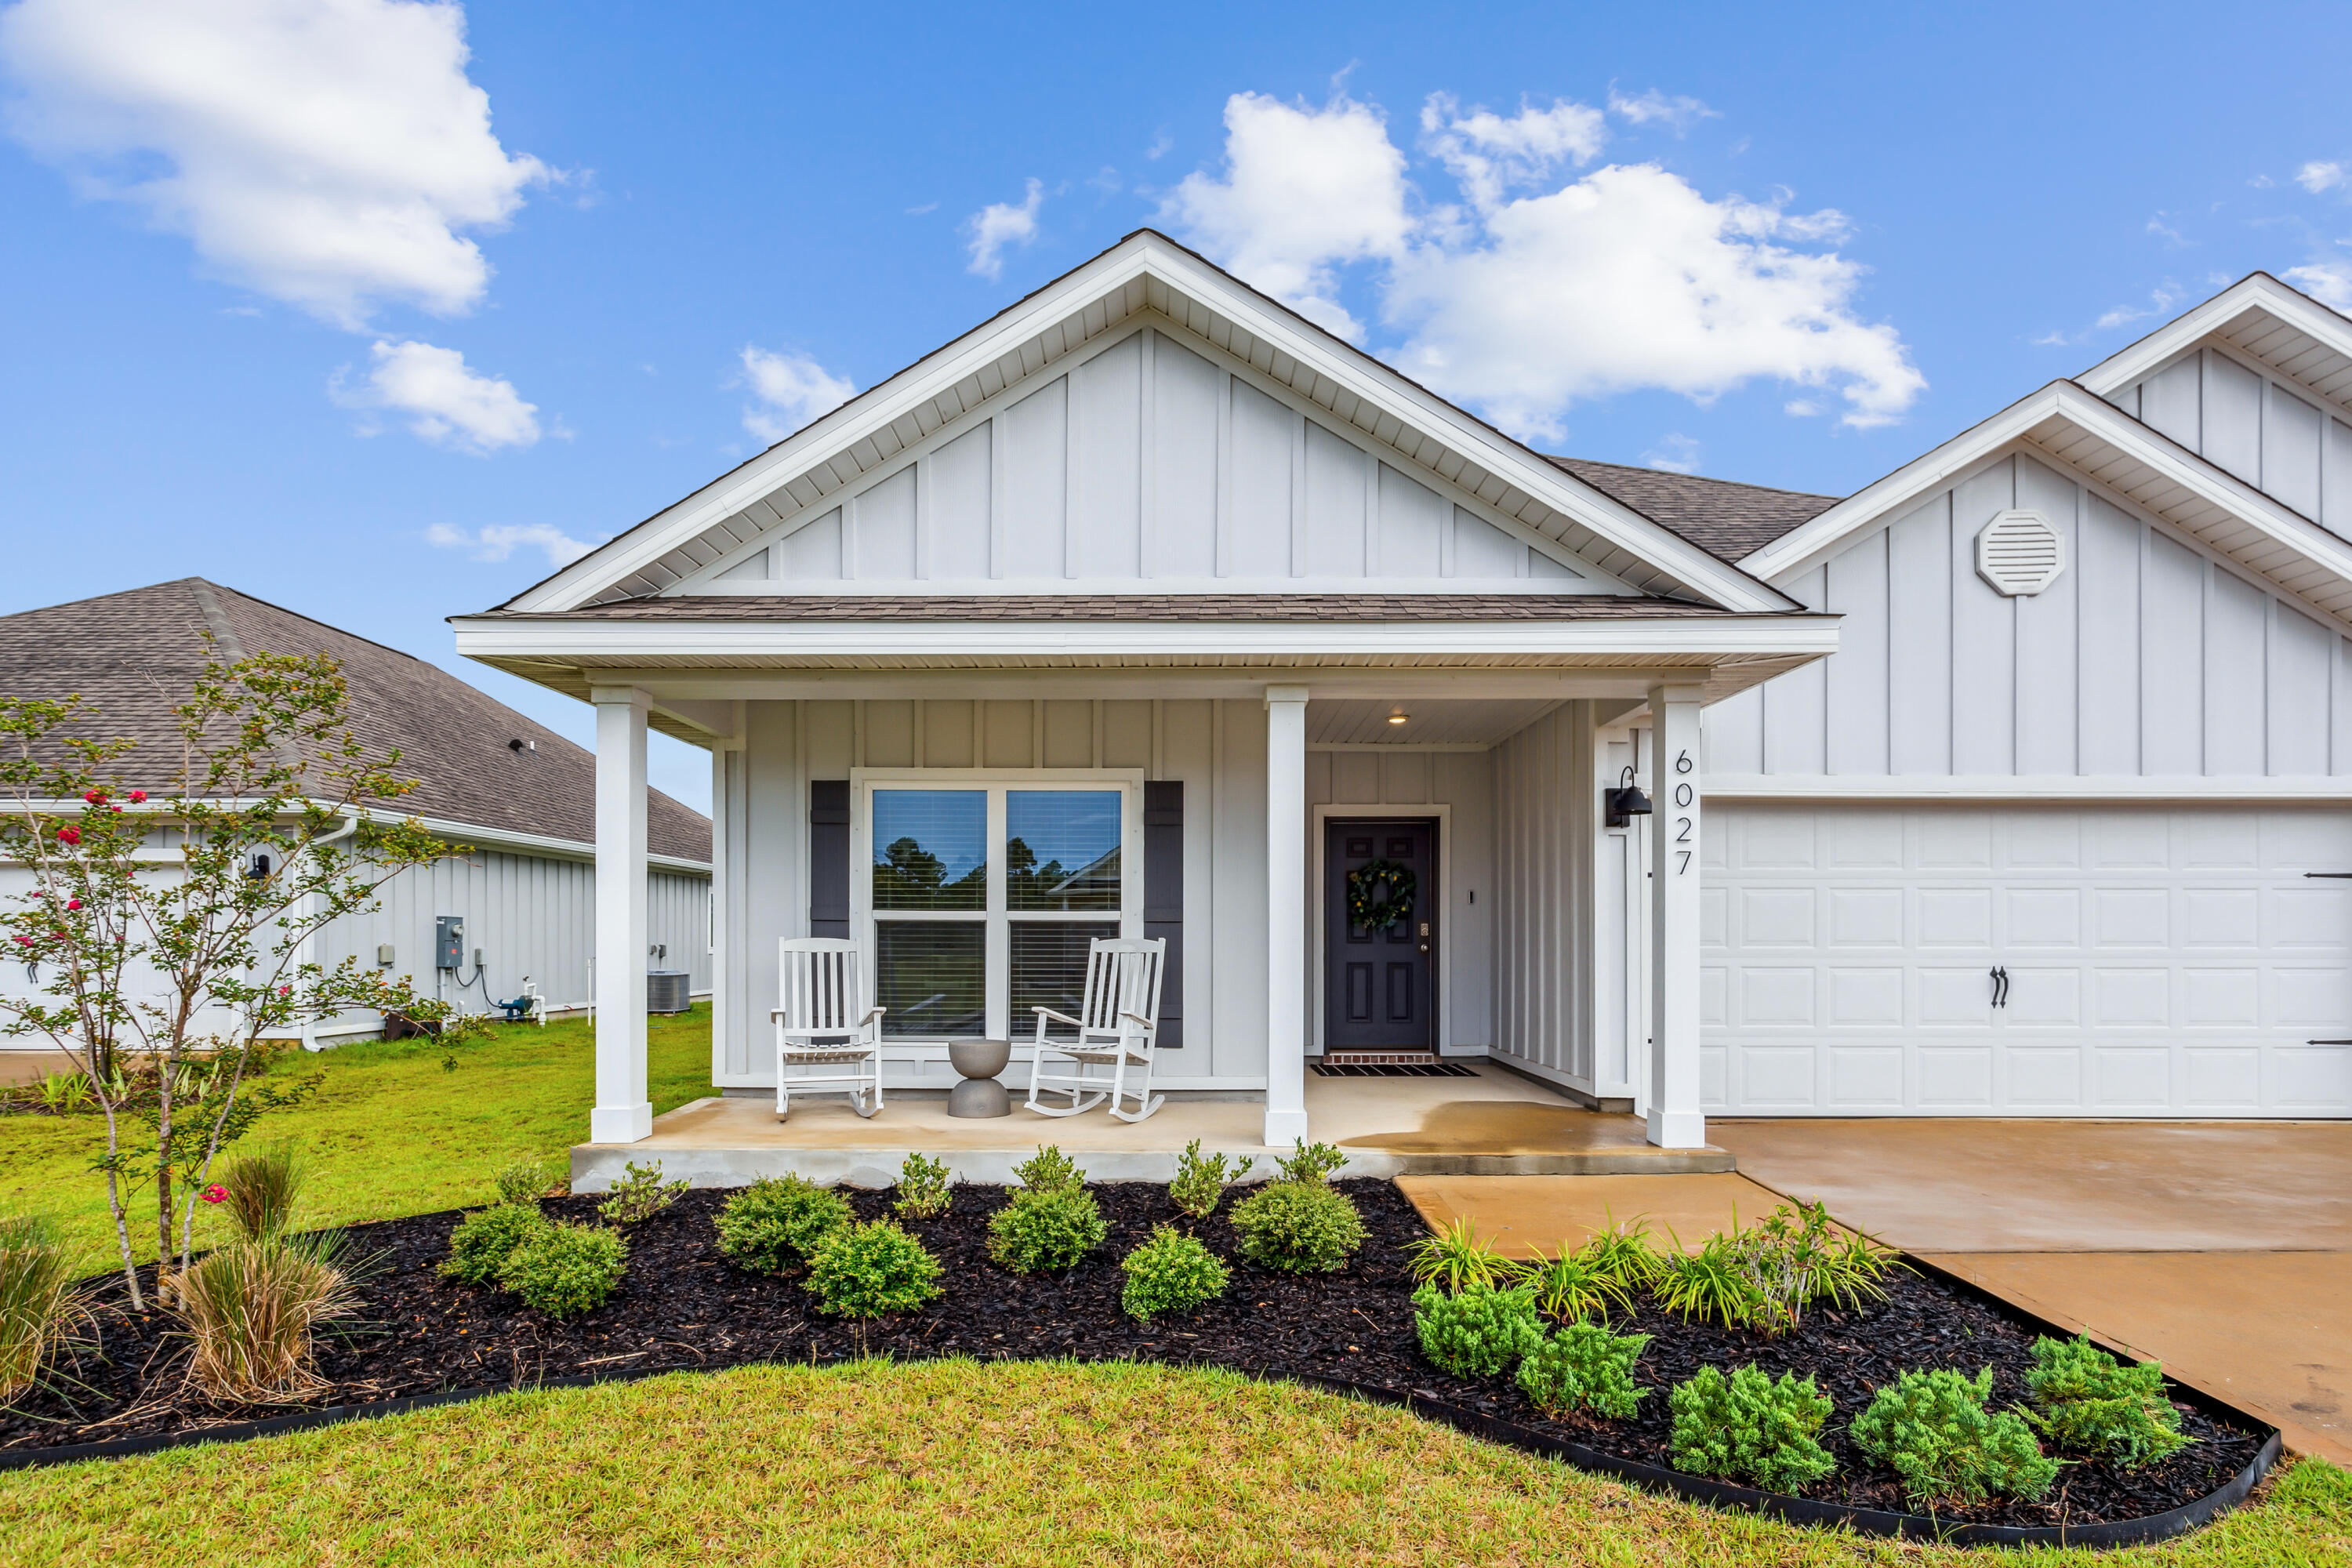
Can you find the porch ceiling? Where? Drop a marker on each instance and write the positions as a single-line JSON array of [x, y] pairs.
[[1363, 722]]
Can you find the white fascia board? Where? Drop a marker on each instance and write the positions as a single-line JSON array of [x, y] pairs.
[[1145, 255], [2021, 787], [648, 642], [1799, 550], [2257, 291]]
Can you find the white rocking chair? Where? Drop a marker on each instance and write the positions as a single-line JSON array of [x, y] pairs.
[[1114, 1039], [819, 1025]]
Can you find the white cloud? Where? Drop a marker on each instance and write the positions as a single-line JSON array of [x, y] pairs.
[[1303, 191], [2316, 176], [1487, 154], [1676, 454], [2329, 282], [1677, 113], [447, 404], [999, 224], [793, 390], [329, 153], [1521, 305], [499, 541]]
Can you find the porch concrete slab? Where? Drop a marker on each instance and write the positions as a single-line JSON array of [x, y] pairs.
[[1517, 1215], [2270, 1332], [1969, 1185]]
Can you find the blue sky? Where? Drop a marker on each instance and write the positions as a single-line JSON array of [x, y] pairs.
[[371, 308]]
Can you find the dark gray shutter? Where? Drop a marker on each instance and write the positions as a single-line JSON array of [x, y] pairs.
[[1163, 896], [829, 858]]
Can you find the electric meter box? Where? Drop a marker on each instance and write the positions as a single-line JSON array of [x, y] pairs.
[[450, 942]]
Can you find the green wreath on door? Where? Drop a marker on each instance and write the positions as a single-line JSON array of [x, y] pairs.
[[1379, 894]]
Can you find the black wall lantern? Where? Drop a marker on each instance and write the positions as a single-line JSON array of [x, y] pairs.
[[1625, 803]]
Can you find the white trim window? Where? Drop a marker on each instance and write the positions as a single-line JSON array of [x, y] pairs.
[[974, 894]]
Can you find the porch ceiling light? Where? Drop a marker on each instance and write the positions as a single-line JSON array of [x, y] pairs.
[[1399, 718], [1625, 803]]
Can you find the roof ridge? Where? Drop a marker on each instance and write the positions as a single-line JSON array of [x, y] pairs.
[[1676, 474]]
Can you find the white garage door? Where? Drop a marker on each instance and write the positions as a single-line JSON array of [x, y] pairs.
[[2161, 960]]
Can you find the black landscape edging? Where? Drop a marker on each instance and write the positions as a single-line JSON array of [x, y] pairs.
[[1697, 1488]]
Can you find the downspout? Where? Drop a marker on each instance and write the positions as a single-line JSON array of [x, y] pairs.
[[307, 948]]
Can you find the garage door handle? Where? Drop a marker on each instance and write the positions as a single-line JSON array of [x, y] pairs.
[[2342, 876], [2327, 1042], [2000, 987]]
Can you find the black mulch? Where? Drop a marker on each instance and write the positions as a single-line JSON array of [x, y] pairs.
[[684, 1306]]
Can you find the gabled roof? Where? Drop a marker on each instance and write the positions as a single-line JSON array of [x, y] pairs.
[[2085, 432], [134, 655], [1731, 521], [1144, 272], [2284, 328]]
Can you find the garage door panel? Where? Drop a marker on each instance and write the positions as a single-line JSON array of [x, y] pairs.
[[2161, 960]]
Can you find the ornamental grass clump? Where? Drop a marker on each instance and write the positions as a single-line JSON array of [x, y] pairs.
[[1202, 1180], [39, 1307], [924, 1188], [773, 1225], [640, 1194], [252, 1307], [483, 1239], [863, 1271], [1298, 1227], [1748, 1427], [1933, 1430], [1584, 1367], [259, 1191], [566, 1270], [2085, 1402], [1173, 1272], [1457, 1259], [1044, 1230], [1711, 1284], [1479, 1331]]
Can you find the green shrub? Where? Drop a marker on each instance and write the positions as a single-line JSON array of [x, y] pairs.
[[1043, 1229], [1456, 1258], [523, 1181], [1310, 1162], [1201, 1181], [774, 1224], [865, 1270], [2086, 1401], [566, 1269], [1932, 1429], [1048, 1168], [1479, 1332], [923, 1188], [1796, 1259], [640, 1194], [1584, 1367], [39, 1307], [1748, 1427], [1574, 1286], [1171, 1272], [480, 1244], [1299, 1228]]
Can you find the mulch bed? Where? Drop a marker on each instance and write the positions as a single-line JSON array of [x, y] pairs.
[[684, 1306]]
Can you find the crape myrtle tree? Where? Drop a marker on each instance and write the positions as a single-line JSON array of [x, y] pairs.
[[166, 930]]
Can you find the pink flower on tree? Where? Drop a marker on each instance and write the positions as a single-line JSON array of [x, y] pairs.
[[95, 796], [73, 903], [214, 1193], [68, 834], [138, 797]]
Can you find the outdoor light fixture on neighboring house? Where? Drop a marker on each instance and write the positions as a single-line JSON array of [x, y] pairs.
[[1625, 803]]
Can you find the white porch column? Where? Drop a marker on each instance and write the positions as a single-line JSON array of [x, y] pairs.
[[1674, 1119], [622, 1114], [1286, 915]]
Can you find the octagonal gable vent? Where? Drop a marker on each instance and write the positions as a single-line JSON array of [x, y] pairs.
[[2019, 554]]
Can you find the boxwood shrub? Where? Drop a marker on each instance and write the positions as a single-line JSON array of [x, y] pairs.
[[566, 1269], [483, 1240], [1171, 1272], [774, 1224], [1043, 1229], [1299, 1228], [865, 1270]]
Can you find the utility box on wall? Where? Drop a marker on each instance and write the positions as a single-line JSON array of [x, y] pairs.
[[450, 942]]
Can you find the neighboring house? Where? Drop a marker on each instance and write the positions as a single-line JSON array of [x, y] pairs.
[[518, 794], [1149, 564]]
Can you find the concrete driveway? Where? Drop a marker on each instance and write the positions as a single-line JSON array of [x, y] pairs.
[[2221, 1249]]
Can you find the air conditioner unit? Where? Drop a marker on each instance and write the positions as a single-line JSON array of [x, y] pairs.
[[668, 991]]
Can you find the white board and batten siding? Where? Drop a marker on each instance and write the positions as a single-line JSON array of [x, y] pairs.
[[2281, 436], [2164, 956], [1147, 466]]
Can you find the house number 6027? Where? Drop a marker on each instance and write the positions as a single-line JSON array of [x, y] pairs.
[[1684, 796]]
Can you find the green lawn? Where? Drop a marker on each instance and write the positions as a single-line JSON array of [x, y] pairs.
[[953, 1462], [391, 1133], [876, 1463]]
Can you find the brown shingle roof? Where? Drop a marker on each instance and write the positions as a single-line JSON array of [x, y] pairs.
[[1729, 521], [117, 649], [1130, 607]]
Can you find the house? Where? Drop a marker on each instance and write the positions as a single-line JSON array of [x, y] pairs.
[[2012, 785], [517, 793]]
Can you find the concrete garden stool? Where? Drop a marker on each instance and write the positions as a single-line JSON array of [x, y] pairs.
[[979, 1095]]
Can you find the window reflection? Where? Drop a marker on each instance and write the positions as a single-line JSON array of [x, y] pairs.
[[1061, 849], [931, 849]]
